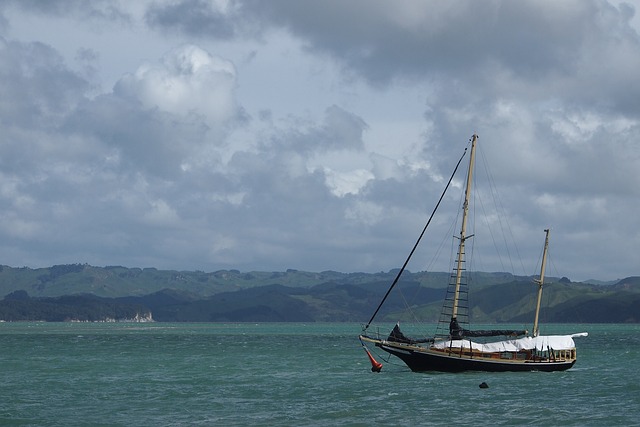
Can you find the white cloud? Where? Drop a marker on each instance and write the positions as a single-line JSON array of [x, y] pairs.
[[188, 81], [343, 183]]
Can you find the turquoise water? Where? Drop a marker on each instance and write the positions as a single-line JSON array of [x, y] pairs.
[[78, 374]]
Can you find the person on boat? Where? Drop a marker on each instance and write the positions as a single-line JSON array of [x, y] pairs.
[[455, 331]]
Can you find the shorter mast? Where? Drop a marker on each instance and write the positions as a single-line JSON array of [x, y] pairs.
[[540, 282]]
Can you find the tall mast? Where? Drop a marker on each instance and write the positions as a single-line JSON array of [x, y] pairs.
[[463, 229], [540, 282]]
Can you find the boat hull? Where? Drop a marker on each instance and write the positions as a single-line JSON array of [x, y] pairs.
[[420, 359]]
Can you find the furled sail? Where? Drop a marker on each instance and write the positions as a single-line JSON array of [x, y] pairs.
[[396, 335]]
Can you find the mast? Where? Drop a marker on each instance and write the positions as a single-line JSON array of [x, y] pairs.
[[463, 229], [540, 282]]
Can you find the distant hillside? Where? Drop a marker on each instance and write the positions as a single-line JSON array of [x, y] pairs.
[[115, 281], [232, 296], [629, 283], [18, 306], [561, 303]]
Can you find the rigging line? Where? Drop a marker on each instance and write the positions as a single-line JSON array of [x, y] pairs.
[[499, 212], [493, 238], [550, 261], [502, 214], [395, 281]]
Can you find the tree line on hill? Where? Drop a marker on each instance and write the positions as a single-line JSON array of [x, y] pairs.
[[294, 296]]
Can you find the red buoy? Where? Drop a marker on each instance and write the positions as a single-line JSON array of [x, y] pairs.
[[375, 365]]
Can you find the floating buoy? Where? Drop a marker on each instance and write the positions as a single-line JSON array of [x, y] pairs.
[[375, 365], [484, 385]]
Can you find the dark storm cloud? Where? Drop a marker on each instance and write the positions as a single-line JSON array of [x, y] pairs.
[[535, 49], [97, 10], [193, 17], [341, 130]]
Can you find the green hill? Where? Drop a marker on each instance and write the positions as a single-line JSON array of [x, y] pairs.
[[116, 281], [233, 296]]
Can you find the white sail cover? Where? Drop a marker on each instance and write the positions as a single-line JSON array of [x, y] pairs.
[[542, 342]]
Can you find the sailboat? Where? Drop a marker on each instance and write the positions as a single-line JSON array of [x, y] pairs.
[[455, 347]]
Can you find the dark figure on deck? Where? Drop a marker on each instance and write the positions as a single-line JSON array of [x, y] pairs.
[[455, 330]]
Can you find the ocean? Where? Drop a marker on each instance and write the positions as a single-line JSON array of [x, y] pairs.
[[291, 374]]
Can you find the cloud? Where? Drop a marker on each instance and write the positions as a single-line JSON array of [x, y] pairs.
[[97, 11], [37, 87], [499, 47], [194, 17], [148, 170], [107, 169], [188, 80], [312, 135], [167, 116]]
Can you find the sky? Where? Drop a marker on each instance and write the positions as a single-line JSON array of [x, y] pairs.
[[318, 135]]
